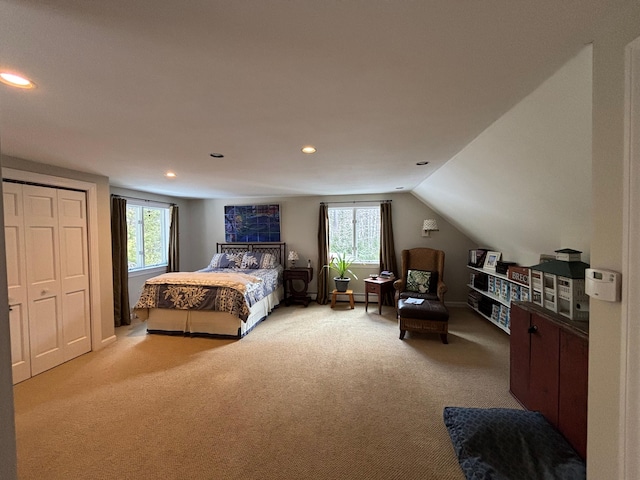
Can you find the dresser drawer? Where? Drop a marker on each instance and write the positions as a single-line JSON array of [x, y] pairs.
[[372, 287]]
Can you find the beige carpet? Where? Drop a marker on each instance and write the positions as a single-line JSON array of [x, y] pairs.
[[310, 393]]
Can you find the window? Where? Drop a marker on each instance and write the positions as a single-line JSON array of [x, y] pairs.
[[355, 232], [147, 236]]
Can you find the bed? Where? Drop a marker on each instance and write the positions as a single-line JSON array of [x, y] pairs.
[[237, 290]]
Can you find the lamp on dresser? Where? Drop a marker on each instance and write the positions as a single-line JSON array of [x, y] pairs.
[[293, 256]]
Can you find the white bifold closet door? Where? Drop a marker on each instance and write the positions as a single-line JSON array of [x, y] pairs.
[[48, 277], [16, 280]]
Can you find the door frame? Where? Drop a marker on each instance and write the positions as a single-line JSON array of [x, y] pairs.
[[91, 191], [629, 460]]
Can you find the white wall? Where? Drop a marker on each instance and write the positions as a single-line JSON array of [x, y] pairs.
[[606, 341], [523, 187], [299, 229]]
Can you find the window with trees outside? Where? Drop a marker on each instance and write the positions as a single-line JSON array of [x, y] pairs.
[[147, 236], [355, 232]]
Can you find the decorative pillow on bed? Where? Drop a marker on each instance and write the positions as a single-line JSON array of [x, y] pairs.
[[226, 260], [418, 281], [503, 443], [258, 260]]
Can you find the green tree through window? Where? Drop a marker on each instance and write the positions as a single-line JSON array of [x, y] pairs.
[[147, 236], [355, 232]]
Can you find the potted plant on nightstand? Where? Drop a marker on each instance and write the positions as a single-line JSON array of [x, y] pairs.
[[340, 264]]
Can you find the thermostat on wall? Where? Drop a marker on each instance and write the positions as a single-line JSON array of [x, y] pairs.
[[602, 284]]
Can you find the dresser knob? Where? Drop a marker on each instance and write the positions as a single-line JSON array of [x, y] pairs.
[[532, 329]]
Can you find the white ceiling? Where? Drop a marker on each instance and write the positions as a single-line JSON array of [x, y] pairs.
[[131, 89]]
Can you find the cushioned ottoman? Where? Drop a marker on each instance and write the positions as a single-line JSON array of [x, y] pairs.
[[427, 317]]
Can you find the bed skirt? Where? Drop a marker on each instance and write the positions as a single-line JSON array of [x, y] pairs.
[[204, 322]]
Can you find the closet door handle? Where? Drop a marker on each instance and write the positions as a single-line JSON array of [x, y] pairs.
[[532, 329], [44, 292]]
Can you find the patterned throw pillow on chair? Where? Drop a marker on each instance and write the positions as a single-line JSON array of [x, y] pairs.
[[418, 281]]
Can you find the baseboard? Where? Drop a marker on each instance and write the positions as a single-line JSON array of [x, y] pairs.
[[107, 341], [456, 304]]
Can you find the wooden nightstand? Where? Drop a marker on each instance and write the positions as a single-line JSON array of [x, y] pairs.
[[379, 286], [291, 294]]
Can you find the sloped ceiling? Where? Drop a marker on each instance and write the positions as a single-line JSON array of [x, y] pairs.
[[523, 187], [132, 89]]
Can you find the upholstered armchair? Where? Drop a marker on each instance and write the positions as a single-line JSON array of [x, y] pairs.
[[421, 260]]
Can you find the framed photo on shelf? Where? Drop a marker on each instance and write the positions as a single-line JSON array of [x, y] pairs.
[[491, 260]]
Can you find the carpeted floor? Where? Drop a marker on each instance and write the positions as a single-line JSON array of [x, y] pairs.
[[310, 393]]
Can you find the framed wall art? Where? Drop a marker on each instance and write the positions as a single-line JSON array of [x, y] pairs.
[[252, 223], [491, 260]]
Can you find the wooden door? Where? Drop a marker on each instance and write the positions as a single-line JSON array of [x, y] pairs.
[[519, 354], [16, 281], [544, 368], [74, 273], [43, 277], [574, 381]]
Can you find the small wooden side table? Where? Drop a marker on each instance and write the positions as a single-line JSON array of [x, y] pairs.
[[348, 293], [291, 294], [379, 286]]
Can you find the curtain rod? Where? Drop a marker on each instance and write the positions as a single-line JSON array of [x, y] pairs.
[[358, 201], [126, 197]]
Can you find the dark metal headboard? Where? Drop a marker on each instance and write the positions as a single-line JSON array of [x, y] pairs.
[[277, 249]]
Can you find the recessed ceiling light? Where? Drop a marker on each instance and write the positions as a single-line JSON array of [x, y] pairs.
[[422, 163], [15, 80], [170, 175], [216, 155], [309, 149]]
